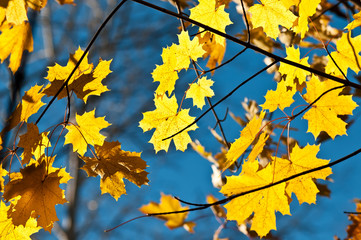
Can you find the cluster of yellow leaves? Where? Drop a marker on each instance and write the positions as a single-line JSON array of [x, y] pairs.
[[167, 118], [266, 202], [33, 192], [16, 35]]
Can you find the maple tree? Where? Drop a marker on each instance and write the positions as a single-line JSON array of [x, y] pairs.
[[260, 173]]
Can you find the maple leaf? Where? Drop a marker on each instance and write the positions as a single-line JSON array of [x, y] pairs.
[[8, 231], [355, 23], [85, 82], [322, 116], [207, 13], [306, 9], [166, 76], [269, 15], [346, 56], [214, 51], [293, 73], [248, 134], [258, 147], [262, 203], [16, 12], [200, 90], [33, 142], [302, 160], [169, 204], [112, 165], [13, 41], [40, 192], [30, 104], [279, 98], [167, 121], [85, 132]]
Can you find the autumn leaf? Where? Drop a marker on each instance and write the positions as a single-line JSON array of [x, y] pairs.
[[8, 231], [40, 192], [85, 132], [166, 76], [248, 134], [263, 203], [207, 13], [169, 204], [355, 23], [279, 98], [200, 90], [13, 41], [33, 142], [306, 9], [113, 165], [167, 121], [323, 115], [16, 11], [269, 15], [302, 160], [293, 73], [30, 104], [346, 56], [85, 81], [214, 51]]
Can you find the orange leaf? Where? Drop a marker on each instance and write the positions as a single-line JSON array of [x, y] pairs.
[[112, 165], [33, 142], [40, 192]]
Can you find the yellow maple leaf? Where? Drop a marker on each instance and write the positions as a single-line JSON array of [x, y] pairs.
[[355, 23], [86, 132], [258, 147], [33, 142], [167, 121], [263, 203], [207, 13], [85, 81], [30, 104], [198, 91], [13, 41], [248, 134], [39, 192], [302, 160], [322, 116], [169, 204], [306, 9], [166, 76], [279, 98], [293, 73], [346, 56], [269, 15], [16, 11], [8, 231], [112, 165], [187, 50]]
